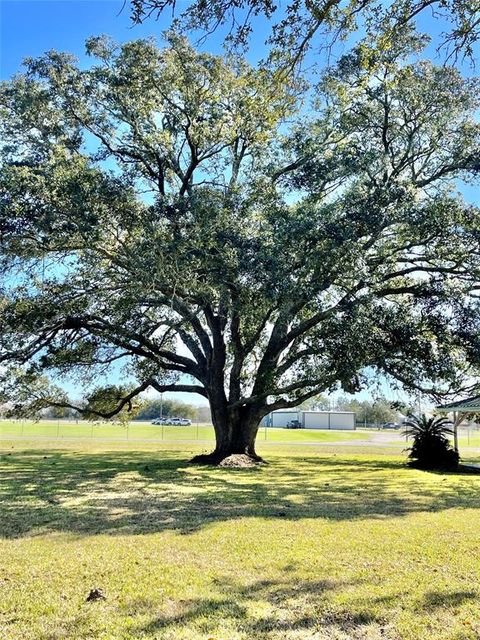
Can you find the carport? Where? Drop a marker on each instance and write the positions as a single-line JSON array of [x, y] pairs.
[[461, 410]]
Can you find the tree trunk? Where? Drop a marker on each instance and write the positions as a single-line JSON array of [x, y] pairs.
[[235, 433]]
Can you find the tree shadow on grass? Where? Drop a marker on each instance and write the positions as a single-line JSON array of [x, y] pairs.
[[122, 492], [282, 607], [288, 609], [441, 599], [291, 607]]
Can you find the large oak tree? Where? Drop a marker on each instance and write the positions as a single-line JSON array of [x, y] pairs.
[[185, 215]]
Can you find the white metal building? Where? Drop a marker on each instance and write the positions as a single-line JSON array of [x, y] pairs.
[[312, 419]]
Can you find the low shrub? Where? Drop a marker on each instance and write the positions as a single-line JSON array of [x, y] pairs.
[[431, 448]]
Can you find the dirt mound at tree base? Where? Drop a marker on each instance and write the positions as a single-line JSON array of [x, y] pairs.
[[239, 460]]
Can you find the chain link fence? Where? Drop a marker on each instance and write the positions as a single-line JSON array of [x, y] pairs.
[[145, 431]]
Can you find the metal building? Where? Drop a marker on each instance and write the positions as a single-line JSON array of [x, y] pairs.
[[342, 420]]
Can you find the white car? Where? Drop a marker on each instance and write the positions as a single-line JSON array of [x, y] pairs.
[[184, 422]]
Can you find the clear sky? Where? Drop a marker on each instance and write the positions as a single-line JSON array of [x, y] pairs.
[[31, 27]]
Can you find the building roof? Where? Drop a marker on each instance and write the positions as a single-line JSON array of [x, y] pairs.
[[322, 411], [310, 411], [469, 405], [285, 411]]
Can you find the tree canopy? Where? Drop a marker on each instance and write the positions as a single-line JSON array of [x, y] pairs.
[[376, 412], [152, 409], [181, 213]]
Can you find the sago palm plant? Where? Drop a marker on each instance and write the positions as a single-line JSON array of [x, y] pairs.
[[431, 448]]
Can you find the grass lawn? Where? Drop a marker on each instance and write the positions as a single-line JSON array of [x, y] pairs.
[[146, 431], [471, 441], [320, 544]]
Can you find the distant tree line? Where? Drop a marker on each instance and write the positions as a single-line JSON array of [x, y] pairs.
[[60, 413], [155, 408], [148, 410], [377, 411]]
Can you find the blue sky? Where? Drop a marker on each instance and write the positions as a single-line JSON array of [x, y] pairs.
[[31, 27]]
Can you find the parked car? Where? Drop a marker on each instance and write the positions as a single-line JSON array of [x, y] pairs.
[[294, 424], [390, 425], [173, 420]]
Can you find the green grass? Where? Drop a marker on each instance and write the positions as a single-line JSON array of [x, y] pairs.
[[146, 431], [320, 544], [311, 435], [471, 441], [112, 431]]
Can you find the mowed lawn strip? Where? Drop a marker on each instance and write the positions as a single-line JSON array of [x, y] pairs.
[[311, 546]]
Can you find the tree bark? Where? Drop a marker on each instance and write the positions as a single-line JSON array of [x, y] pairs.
[[235, 433]]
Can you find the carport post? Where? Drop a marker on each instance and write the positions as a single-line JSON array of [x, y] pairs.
[[455, 431]]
